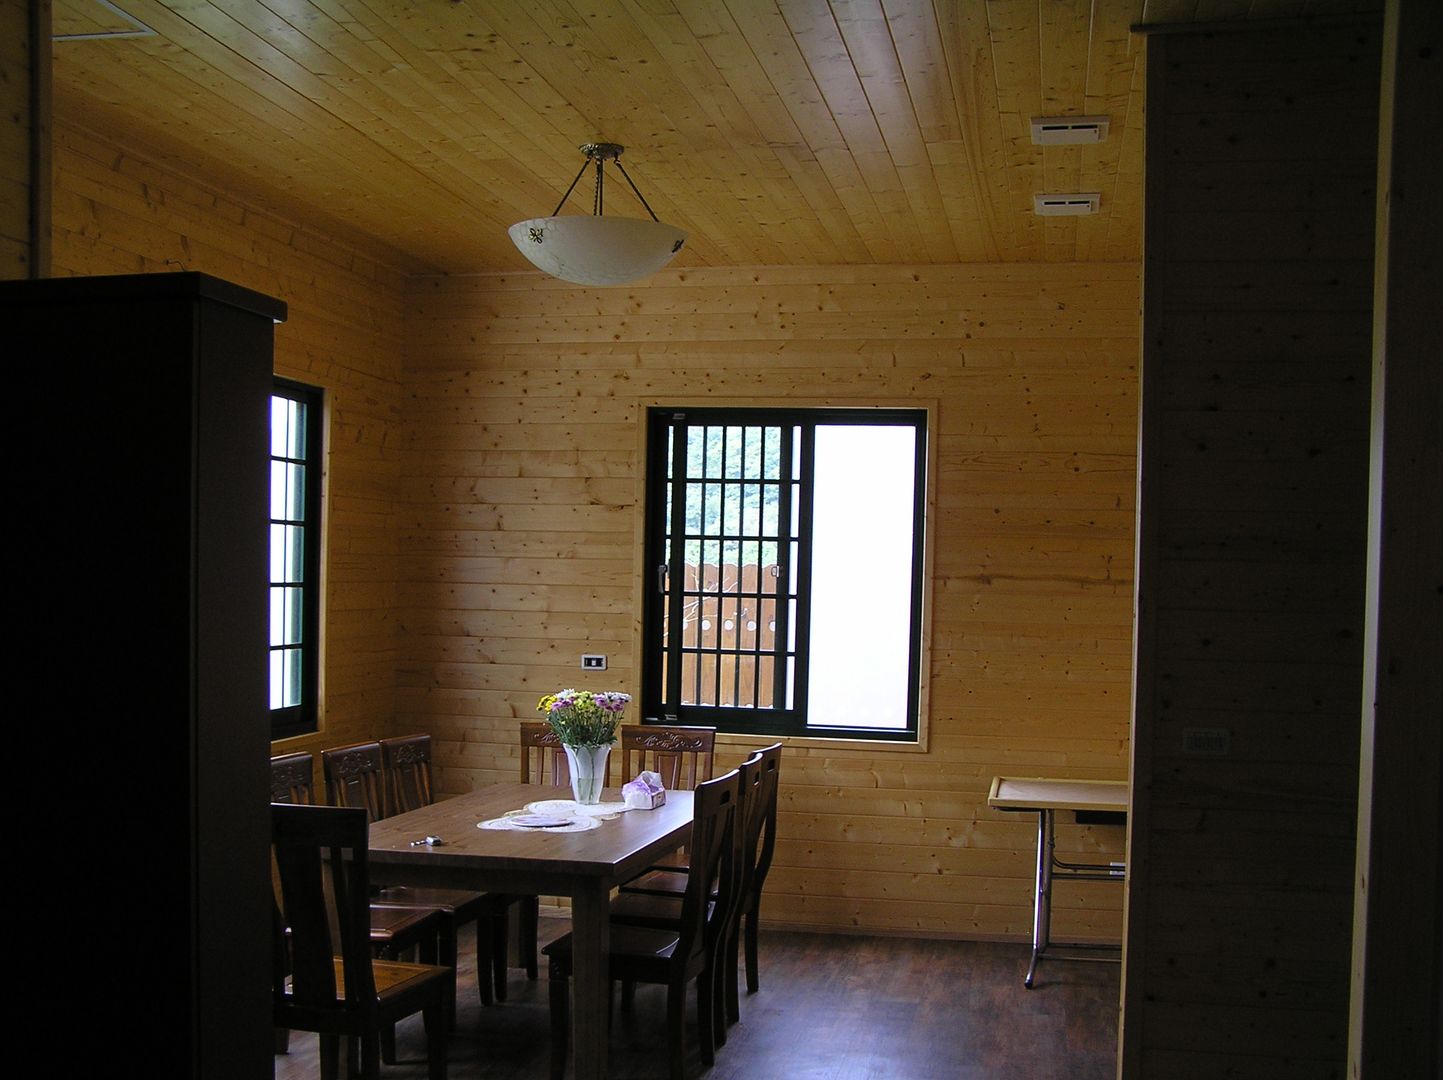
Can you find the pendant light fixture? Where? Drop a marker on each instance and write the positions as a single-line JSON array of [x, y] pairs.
[[597, 250]]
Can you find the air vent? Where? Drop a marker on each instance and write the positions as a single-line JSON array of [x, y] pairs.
[[1066, 205], [1068, 130]]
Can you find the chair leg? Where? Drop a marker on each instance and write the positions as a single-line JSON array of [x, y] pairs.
[[433, 1017], [559, 976], [716, 975], [706, 1035], [447, 957], [371, 1056], [729, 974], [529, 916], [485, 954], [753, 983], [283, 1040], [500, 946], [676, 1031], [330, 1055]]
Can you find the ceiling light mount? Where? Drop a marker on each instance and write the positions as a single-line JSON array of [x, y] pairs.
[[598, 250]]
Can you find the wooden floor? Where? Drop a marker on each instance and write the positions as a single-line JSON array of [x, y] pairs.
[[831, 1007]]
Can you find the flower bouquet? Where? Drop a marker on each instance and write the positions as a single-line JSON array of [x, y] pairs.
[[585, 722]]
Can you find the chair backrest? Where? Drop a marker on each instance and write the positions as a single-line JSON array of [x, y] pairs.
[[759, 821], [683, 756], [539, 748], [293, 778], [320, 855], [354, 778], [713, 883], [406, 763]]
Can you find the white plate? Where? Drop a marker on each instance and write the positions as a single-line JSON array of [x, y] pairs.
[[539, 821]]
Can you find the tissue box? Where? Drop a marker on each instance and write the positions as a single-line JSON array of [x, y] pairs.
[[644, 800], [644, 793]]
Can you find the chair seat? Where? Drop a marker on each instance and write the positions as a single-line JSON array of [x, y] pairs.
[[398, 927], [390, 975], [629, 944], [460, 904], [395, 977], [658, 882], [643, 909]]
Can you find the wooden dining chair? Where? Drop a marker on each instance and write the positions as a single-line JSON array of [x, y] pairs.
[[682, 756], [656, 898], [543, 758], [355, 777], [395, 930], [293, 778], [543, 761], [759, 843], [671, 957], [406, 769], [333, 985]]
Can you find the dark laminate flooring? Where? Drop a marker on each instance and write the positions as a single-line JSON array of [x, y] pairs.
[[831, 1007]]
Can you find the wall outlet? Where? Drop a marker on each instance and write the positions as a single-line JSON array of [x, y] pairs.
[[1207, 741], [593, 662]]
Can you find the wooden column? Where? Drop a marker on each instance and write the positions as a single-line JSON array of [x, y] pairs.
[[25, 140], [1252, 509], [1398, 918]]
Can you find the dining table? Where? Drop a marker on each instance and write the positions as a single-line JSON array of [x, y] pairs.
[[472, 841]]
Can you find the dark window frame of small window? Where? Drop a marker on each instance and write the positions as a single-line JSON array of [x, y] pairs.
[[665, 457], [303, 717]]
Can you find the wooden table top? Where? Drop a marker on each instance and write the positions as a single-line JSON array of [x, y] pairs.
[[1041, 793], [619, 846]]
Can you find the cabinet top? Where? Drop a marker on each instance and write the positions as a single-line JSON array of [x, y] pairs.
[[187, 285]]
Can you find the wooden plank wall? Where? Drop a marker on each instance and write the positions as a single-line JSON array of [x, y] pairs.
[[519, 525], [1257, 298], [18, 120], [117, 213]]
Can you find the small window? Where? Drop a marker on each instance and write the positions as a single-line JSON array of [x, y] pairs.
[[785, 548], [295, 557]]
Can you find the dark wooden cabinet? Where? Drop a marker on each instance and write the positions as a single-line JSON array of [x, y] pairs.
[[141, 407]]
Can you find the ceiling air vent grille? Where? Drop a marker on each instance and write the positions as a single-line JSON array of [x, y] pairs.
[[1066, 205], [1067, 130]]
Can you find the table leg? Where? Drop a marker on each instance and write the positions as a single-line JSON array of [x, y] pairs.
[[1042, 895], [590, 981]]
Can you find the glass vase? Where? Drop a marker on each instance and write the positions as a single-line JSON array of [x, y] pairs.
[[588, 772]]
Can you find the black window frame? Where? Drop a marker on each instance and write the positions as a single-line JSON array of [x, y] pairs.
[[665, 457], [303, 717]]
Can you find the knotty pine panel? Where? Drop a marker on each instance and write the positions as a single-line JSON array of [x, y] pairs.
[[1252, 542], [519, 515], [117, 212]]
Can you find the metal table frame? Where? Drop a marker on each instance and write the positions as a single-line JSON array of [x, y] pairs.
[[1045, 797]]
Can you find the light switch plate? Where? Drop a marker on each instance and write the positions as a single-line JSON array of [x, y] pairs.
[[593, 662]]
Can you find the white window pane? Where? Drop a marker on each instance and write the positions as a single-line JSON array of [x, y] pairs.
[[278, 680], [861, 576]]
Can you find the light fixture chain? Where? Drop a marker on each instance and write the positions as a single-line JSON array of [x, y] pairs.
[[644, 203], [570, 189]]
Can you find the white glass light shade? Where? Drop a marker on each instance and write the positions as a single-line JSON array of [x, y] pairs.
[[596, 250]]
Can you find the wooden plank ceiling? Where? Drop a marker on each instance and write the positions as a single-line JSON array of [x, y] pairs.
[[776, 132]]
